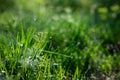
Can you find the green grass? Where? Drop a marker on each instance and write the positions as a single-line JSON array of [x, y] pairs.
[[55, 46]]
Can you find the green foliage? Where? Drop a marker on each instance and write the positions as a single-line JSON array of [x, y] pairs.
[[61, 5], [6, 5], [35, 44]]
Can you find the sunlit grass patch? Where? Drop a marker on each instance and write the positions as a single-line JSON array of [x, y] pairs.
[[51, 46]]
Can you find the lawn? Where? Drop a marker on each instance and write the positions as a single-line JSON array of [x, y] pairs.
[[39, 43]]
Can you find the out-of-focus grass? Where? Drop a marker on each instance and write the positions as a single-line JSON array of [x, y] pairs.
[[38, 43]]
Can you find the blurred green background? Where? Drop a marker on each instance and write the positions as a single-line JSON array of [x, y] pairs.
[[105, 12]]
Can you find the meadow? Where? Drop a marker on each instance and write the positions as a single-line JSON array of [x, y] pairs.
[[39, 43]]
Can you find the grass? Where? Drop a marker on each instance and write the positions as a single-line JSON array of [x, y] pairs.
[[56, 47]]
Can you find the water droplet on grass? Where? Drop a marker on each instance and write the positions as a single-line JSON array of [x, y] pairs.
[[20, 44], [3, 71], [55, 64], [78, 43]]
